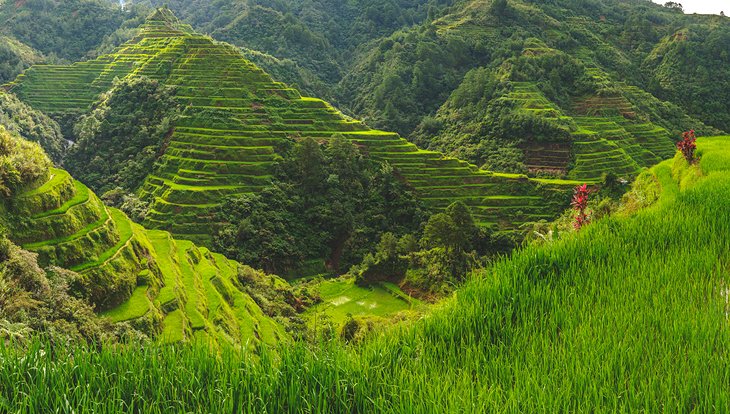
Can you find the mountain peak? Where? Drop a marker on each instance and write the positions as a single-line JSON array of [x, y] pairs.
[[163, 14], [164, 20]]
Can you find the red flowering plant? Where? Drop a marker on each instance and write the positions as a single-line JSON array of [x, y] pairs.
[[687, 146], [580, 204]]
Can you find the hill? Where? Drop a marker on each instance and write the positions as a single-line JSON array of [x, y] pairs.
[[414, 54], [621, 316], [66, 30], [235, 122], [160, 286]]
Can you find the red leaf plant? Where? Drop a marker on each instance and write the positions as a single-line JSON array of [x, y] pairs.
[[580, 204], [687, 146]]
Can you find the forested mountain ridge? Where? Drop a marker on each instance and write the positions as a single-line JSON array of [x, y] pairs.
[[623, 39], [568, 60]]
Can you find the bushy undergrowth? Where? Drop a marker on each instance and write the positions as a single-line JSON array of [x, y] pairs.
[[32, 125], [21, 163], [36, 301], [118, 142], [433, 265], [629, 314]]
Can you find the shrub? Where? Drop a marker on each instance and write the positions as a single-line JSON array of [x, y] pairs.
[[37, 300], [687, 146], [21, 163], [580, 204]]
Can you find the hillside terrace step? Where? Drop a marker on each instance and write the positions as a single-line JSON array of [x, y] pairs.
[[124, 227]]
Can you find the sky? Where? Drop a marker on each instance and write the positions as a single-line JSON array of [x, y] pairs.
[[702, 6]]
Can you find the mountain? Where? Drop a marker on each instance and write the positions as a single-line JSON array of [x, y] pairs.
[[319, 36], [67, 29], [412, 55], [234, 122]]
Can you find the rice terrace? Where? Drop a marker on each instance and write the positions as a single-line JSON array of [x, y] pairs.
[[371, 206]]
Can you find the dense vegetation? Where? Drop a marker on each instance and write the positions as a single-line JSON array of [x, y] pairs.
[[393, 63], [235, 127], [328, 201], [448, 250], [37, 302], [428, 61], [583, 323], [319, 36], [410, 55], [68, 30], [14, 58], [33, 125], [118, 142], [22, 163], [621, 304], [85, 272], [689, 67]]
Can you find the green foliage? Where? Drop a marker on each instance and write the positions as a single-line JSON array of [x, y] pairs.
[[237, 123], [121, 138], [21, 163], [32, 125], [499, 7], [389, 263], [278, 299], [15, 57], [690, 68], [319, 36], [129, 203], [328, 201], [35, 301], [444, 256]]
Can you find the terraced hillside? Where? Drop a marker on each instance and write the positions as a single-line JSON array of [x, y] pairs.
[[582, 134], [162, 286], [236, 118], [614, 135]]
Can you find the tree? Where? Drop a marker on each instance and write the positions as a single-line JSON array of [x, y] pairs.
[[308, 164], [674, 6], [463, 225], [499, 7], [328, 201], [440, 231], [21, 163], [453, 230]]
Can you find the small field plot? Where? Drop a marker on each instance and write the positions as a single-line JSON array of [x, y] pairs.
[[342, 297]]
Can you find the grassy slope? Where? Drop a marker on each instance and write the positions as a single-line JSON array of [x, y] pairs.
[[628, 315]]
